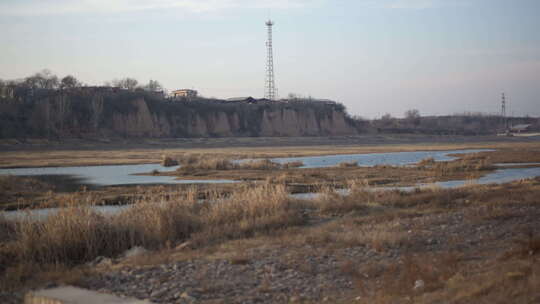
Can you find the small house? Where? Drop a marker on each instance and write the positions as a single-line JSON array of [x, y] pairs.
[[184, 93]]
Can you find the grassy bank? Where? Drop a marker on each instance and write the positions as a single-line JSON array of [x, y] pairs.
[[475, 244], [401, 223], [79, 234], [94, 154]]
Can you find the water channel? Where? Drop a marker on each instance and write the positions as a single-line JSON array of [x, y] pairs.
[[125, 174], [110, 175]]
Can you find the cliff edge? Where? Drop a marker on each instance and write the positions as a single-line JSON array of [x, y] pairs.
[[61, 114]]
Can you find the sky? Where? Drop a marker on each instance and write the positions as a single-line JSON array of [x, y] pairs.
[[374, 56]]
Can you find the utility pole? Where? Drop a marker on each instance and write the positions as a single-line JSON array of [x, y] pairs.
[[270, 87]]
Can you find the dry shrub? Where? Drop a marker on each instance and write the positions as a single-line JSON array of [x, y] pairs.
[[353, 231], [216, 163], [240, 259], [399, 279], [331, 200], [249, 211], [526, 247], [426, 162], [194, 163], [514, 281], [9, 183], [7, 228], [425, 198], [191, 158], [74, 234], [351, 164], [469, 163], [266, 164], [262, 164], [294, 164], [168, 161], [154, 225]]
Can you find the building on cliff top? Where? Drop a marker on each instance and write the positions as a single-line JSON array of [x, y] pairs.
[[184, 93], [247, 99]]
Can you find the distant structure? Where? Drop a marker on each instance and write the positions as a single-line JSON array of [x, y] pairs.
[[247, 99], [503, 111], [184, 93], [270, 87], [520, 128]]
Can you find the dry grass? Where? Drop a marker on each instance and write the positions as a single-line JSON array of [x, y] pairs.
[[249, 212], [407, 278], [77, 235], [21, 190], [513, 279], [262, 164], [195, 163], [469, 163], [87, 155], [330, 200], [351, 164], [167, 161], [363, 219], [352, 232]]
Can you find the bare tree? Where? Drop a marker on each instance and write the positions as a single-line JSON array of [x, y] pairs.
[[130, 83], [126, 83], [69, 82], [153, 86], [42, 80], [413, 116], [387, 120]]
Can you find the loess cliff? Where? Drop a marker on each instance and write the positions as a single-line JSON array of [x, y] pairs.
[[136, 114]]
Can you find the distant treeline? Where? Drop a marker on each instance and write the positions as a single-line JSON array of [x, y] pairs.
[[44, 106], [45, 79], [456, 124]]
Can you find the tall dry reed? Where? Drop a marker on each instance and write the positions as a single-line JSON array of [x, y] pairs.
[[76, 235], [354, 198], [193, 164]]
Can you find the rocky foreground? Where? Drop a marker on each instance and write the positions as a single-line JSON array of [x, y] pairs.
[[476, 244], [313, 266]]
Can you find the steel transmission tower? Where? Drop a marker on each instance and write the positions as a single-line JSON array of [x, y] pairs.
[[503, 111], [270, 87]]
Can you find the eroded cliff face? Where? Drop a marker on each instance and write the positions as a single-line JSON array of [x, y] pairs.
[[105, 116]]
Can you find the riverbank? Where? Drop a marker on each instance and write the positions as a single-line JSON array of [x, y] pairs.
[[213, 165], [253, 242], [42, 153], [472, 244]]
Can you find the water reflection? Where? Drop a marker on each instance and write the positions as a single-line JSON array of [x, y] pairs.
[[374, 159], [498, 177], [110, 175]]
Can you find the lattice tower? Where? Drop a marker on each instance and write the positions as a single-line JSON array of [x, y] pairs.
[[270, 87]]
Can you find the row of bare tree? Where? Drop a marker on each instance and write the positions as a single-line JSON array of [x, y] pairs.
[[45, 79]]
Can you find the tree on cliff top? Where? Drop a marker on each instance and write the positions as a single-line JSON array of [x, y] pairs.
[[42, 80], [69, 82], [126, 83], [153, 86], [412, 116]]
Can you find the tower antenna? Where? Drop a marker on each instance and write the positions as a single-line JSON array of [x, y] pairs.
[[270, 87]]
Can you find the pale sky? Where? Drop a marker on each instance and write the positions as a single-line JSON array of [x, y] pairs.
[[374, 56]]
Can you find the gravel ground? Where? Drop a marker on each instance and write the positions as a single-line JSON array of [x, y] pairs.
[[314, 273]]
